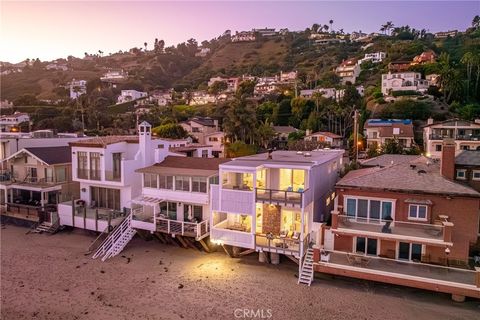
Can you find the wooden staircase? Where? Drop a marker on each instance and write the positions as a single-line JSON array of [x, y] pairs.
[[306, 276], [116, 240], [46, 227]]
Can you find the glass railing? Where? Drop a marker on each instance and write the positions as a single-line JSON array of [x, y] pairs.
[[284, 196], [113, 175], [407, 229]]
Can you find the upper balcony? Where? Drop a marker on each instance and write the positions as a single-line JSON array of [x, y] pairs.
[[298, 198], [398, 230], [232, 200]]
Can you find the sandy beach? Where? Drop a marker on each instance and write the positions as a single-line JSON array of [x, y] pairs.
[[50, 277]]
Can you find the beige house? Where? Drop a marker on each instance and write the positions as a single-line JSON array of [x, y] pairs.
[[36, 179]]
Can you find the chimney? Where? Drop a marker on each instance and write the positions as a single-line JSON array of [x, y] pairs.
[[269, 157], [430, 120], [308, 132], [447, 164]]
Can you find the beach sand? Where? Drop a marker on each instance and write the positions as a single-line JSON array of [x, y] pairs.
[[50, 277]]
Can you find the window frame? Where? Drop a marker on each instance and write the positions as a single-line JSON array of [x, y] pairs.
[[473, 175], [417, 218], [464, 171], [368, 219]]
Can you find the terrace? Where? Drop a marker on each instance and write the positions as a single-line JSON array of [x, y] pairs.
[[390, 229], [431, 277]]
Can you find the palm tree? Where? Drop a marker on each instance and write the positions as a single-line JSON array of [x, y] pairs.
[[331, 24], [315, 27], [468, 60], [387, 27], [341, 31], [145, 44], [325, 27]]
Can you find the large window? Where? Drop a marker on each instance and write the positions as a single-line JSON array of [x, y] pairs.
[[117, 165], [237, 181], [94, 166], [105, 198], [366, 246], [150, 180], [182, 183], [292, 180], [169, 210], [461, 174], [417, 212], [369, 209], [165, 182], [82, 165], [192, 213], [476, 175], [410, 251], [199, 184]]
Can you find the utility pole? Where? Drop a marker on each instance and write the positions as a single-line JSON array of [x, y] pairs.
[[355, 134]]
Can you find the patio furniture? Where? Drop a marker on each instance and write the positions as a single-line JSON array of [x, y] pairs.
[[283, 234], [296, 235], [324, 256]]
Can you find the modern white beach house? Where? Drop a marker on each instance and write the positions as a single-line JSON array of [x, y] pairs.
[[274, 203]]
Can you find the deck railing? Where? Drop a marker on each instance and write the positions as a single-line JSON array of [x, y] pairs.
[[280, 196], [191, 229], [402, 228], [113, 175]]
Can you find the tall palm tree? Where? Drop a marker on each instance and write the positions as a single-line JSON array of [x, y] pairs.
[[468, 60], [315, 27], [145, 44], [331, 24], [325, 27]]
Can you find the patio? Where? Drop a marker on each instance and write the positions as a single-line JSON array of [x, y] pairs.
[[424, 276]]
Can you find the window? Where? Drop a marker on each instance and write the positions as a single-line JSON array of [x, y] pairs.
[[182, 183], [199, 184], [214, 180], [476, 175], [82, 165], [150, 180], [410, 251], [370, 209], [464, 147], [105, 198], [438, 147], [168, 210], [94, 165], [461, 174], [165, 182], [191, 212], [213, 139], [204, 153], [417, 212], [366, 246], [117, 164]]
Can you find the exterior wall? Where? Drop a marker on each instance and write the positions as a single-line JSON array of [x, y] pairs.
[[430, 144], [11, 145], [343, 243], [462, 212], [475, 184]]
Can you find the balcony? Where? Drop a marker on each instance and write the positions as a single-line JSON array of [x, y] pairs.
[[464, 137], [392, 229], [190, 229], [279, 244], [230, 234], [115, 176], [234, 201], [89, 174], [282, 197]]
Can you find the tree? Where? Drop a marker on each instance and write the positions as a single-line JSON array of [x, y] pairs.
[[392, 146], [315, 27], [145, 45], [240, 149], [469, 60], [240, 120], [331, 24], [245, 89], [476, 22], [265, 134], [282, 113], [170, 131], [217, 88]]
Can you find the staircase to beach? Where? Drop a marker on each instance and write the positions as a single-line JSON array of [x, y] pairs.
[[46, 227], [116, 240], [306, 276]]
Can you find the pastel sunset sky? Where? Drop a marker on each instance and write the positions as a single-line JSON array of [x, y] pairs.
[[50, 30]]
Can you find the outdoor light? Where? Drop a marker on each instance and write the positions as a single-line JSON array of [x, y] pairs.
[[447, 250]]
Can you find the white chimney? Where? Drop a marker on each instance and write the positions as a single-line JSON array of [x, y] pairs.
[[430, 120]]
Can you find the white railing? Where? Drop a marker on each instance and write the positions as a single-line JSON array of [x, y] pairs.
[[191, 229], [108, 244], [232, 237]]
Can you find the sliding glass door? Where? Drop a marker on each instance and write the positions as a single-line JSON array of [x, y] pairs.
[[410, 251], [366, 246]]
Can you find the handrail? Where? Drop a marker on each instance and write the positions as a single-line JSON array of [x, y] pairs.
[[105, 231], [114, 235], [272, 195]]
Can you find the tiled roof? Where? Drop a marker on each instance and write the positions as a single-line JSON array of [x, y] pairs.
[[102, 142], [418, 176], [189, 147], [185, 166], [468, 158], [52, 155], [385, 127], [389, 159]]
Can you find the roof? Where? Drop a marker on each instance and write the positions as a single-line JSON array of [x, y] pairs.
[[189, 147], [417, 176], [326, 134], [386, 127], [188, 166], [455, 122], [468, 158], [204, 121], [284, 129], [287, 158], [102, 142], [48, 155], [389, 159]]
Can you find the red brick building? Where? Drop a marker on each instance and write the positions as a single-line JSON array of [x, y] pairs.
[[409, 210]]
